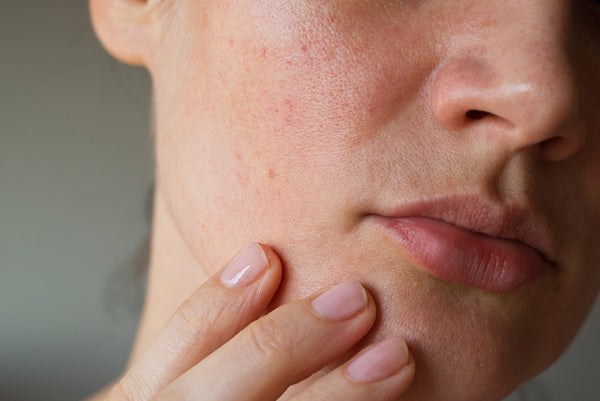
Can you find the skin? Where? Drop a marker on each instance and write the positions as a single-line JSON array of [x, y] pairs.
[[288, 123]]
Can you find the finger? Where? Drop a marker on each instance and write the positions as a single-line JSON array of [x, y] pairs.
[[281, 348], [381, 372], [220, 308]]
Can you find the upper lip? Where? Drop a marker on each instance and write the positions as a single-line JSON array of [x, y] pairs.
[[474, 213]]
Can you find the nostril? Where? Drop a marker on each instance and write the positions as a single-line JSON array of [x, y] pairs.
[[477, 114]]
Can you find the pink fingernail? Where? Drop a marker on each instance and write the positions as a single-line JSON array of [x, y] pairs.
[[341, 302], [379, 361], [245, 267]]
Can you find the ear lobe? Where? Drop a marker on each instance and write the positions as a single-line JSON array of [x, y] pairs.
[[126, 28]]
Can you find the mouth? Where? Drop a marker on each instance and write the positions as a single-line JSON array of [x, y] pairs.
[[467, 241]]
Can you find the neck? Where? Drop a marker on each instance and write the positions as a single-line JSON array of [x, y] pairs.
[[174, 273]]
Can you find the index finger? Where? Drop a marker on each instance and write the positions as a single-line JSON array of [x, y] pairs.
[[213, 314]]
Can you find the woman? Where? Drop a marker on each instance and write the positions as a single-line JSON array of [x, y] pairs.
[[423, 177]]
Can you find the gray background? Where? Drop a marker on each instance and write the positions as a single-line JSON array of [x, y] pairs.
[[75, 167]]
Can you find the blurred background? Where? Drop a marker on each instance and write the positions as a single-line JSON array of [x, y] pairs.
[[75, 172]]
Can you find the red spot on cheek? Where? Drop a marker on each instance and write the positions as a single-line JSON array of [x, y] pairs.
[[241, 171], [264, 52], [242, 180], [304, 48], [290, 110]]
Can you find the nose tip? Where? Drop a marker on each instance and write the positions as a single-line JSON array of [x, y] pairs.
[[528, 108]]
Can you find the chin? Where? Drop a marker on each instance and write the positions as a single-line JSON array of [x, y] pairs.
[[468, 344]]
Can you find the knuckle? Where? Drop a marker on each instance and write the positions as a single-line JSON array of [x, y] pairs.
[[171, 393], [330, 391], [190, 317], [121, 392], [269, 340]]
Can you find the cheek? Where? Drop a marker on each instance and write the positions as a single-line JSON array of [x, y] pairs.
[[267, 138], [301, 107]]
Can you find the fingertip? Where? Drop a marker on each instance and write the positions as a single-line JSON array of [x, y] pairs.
[[382, 371], [273, 260], [245, 267], [273, 273], [249, 266], [371, 305], [380, 361]]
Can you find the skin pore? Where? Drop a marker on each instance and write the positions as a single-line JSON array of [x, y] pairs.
[[292, 123]]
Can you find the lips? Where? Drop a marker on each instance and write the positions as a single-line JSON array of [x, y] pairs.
[[467, 242]]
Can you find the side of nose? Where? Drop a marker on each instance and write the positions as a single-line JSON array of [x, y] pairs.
[[517, 85]]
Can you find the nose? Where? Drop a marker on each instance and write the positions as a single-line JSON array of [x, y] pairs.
[[513, 82]]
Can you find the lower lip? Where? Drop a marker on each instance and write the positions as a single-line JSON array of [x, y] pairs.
[[462, 256]]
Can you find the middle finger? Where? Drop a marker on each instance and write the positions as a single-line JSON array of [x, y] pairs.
[[281, 348]]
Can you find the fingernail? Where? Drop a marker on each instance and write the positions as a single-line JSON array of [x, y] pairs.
[[341, 302], [379, 361], [245, 267]]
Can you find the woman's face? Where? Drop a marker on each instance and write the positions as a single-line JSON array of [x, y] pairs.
[[371, 139]]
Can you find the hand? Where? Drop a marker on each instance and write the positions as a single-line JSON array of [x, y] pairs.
[[217, 347]]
